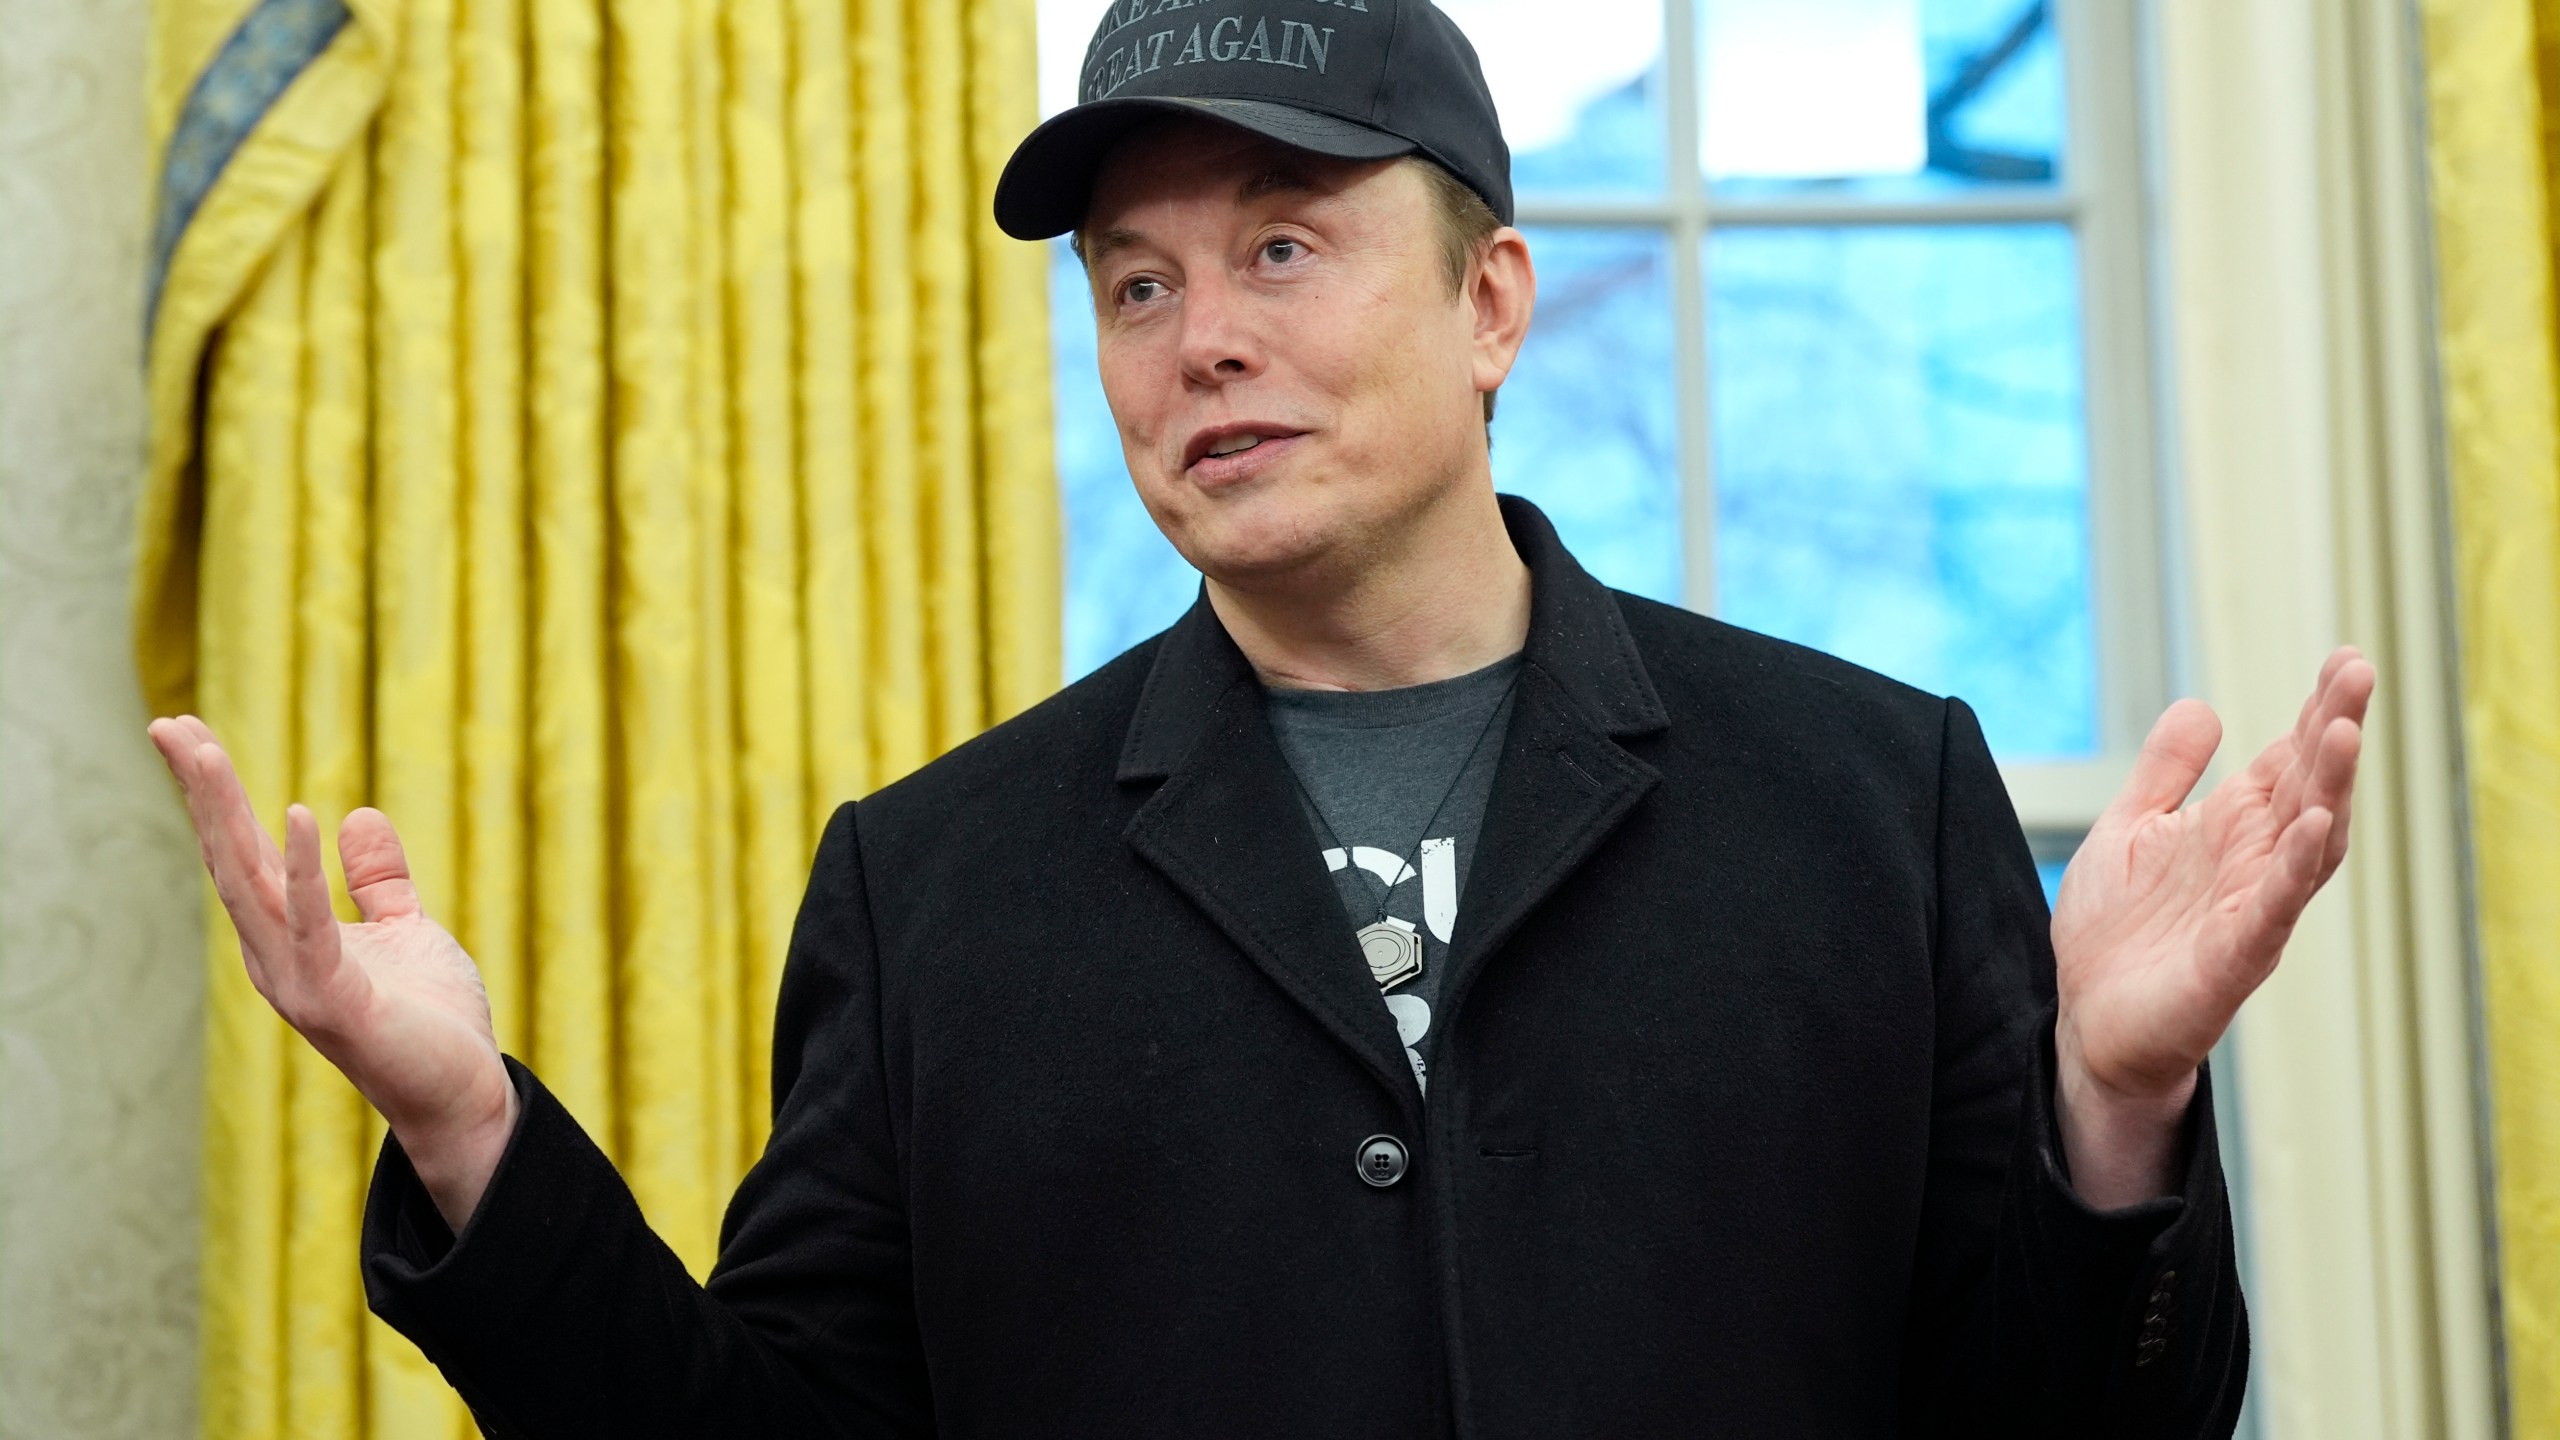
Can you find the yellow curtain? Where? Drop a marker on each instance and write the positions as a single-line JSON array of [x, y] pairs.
[[604, 434], [2493, 90]]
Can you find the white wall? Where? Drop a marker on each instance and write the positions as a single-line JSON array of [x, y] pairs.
[[99, 935]]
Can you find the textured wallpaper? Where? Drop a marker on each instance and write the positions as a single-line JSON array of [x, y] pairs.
[[99, 987]]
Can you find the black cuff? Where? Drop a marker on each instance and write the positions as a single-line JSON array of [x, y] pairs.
[[2153, 1285], [416, 1231], [401, 1218], [552, 1186], [2158, 1226]]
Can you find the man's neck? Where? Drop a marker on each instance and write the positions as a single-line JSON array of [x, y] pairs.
[[1455, 602]]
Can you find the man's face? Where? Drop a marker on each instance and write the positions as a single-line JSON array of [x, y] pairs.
[[1295, 382]]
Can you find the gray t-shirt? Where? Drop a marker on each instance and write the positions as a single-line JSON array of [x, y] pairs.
[[1376, 764]]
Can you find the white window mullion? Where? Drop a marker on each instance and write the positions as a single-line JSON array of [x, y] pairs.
[[1685, 188], [1619, 213], [2128, 578], [1995, 207]]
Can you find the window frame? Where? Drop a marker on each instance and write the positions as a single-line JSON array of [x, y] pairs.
[[2098, 192]]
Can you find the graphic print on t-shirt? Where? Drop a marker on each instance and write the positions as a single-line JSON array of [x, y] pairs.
[[1439, 877], [1375, 769]]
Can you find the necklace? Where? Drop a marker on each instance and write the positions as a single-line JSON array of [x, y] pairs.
[[1392, 947]]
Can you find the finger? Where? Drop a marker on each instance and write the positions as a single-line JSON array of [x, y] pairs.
[[311, 961], [2344, 693], [195, 730], [2346, 684], [2306, 721], [2351, 692], [2173, 758], [247, 870], [2276, 905], [2333, 785], [177, 744], [177, 751], [377, 868], [177, 738]]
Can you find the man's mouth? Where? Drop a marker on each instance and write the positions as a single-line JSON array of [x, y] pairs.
[[1220, 447]]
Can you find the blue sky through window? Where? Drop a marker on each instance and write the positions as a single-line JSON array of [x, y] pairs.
[[1124, 580], [1587, 426], [1900, 467]]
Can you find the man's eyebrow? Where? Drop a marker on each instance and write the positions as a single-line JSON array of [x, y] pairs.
[[1278, 180], [1100, 246]]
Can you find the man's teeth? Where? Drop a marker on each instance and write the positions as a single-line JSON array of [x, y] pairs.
[[1236, 446]]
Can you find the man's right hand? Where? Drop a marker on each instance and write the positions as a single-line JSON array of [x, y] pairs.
[[393, 1001]]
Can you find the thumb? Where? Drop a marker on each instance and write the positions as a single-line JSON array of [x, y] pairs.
[[2173, 758], [377, 869]]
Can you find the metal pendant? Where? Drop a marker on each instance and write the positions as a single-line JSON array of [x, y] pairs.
[[1393, 950]]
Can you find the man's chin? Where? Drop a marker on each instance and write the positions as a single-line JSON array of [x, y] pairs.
[[1257, 545]]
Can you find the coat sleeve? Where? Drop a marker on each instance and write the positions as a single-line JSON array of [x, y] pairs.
[[557, 1313], [2033, 1314]]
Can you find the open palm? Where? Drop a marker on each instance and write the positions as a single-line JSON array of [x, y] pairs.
[[2172, 914], [392, 1001]]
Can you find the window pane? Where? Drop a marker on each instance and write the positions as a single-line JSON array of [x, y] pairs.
[[1901, 461], [1880, 98], [1586, 425], [1125, 582], [1581, 102]]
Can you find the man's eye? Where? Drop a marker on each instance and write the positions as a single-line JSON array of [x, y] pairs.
[[1141, 290], [1280, 252]]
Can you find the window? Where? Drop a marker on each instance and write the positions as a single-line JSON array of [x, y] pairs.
[[1840, 336]]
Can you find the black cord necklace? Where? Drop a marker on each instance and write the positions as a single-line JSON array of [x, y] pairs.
[[1392, 947]]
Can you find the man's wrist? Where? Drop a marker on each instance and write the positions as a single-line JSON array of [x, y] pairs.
[[455, 1164], [2121, 1147]]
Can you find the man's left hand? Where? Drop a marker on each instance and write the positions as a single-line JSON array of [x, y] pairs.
[[2172, 914]]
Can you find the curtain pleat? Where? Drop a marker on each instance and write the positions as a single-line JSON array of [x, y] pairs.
[[605, 435], [248, 609], [835, 598], [2493, 89], [493, 894], [326, 1341], [1022, 564], [885, 474], [570, 1032]]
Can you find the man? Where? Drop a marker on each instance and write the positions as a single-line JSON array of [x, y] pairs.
[[1422, 992]]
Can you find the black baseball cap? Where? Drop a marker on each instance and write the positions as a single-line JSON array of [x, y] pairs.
[[1357, 79]]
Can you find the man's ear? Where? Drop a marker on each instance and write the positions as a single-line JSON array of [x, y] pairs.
[[1502, 288]]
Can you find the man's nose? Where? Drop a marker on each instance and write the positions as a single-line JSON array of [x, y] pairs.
[[1221, 340]]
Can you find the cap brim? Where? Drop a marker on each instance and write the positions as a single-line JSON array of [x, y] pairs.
[[1046, 184]]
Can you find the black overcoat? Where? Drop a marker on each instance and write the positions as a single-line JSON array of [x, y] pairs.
[[1739, 1120]]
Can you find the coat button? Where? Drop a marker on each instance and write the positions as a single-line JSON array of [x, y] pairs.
[[1382, 1160]]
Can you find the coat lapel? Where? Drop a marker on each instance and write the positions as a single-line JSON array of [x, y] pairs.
[[1563, 787], [1227, 830], [1565, 783]]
